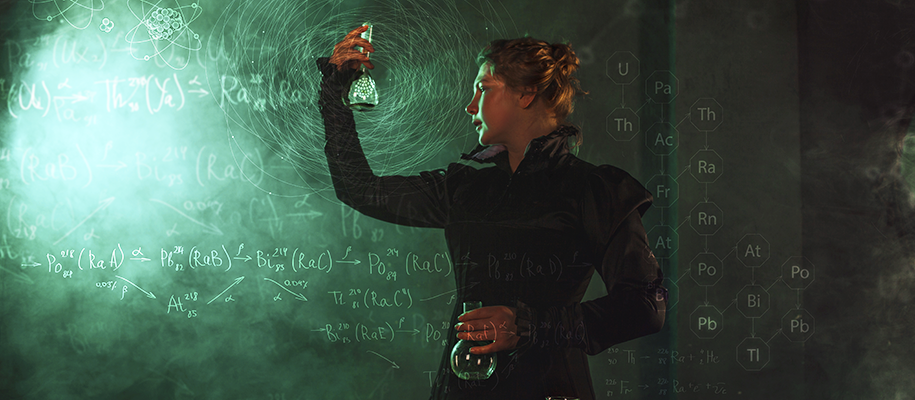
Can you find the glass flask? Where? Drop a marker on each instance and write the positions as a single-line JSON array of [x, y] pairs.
[[360, 93], [469, 366]]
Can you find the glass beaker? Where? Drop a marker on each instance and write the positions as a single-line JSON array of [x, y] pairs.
[[361, 94], [470, 366]]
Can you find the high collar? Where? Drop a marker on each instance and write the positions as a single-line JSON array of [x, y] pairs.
[[537, 155]]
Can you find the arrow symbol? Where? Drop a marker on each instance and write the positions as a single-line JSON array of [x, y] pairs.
[[237, 281], [354, 262], [207, 228], [203, 92], [394, 365], [142, 259], [311, 214], [104, 204], [78, 97], [415, 331], [148, 294], [246, 258], [116, 167], [22, 277], [32, 264], [450, 291], [298, 296]]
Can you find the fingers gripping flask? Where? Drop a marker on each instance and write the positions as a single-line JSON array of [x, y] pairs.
[[361, 94], [469, 366]]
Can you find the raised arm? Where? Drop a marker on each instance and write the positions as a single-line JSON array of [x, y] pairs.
[[422, 200]]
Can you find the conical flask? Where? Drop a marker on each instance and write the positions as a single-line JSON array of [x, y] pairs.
[[469, 366], [361, 94]]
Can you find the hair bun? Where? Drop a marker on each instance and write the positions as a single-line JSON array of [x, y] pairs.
[[566, 60], [526, 62]]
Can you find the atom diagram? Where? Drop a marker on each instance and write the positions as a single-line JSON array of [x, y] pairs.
[[107, 25], [164, 29], [71, 11]]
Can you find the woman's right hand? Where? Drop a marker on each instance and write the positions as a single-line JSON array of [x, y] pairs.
[[345, 56]]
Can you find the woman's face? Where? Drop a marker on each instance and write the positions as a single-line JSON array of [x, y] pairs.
[[492, 108]]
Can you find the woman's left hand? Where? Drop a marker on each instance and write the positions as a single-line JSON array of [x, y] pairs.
[[489, 323]]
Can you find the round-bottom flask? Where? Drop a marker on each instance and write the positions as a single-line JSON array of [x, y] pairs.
[[470, 366]]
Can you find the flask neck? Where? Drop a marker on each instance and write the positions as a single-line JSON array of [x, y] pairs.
[[472, 305]]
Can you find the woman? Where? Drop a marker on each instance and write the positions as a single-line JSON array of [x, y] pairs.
[[525, 234]]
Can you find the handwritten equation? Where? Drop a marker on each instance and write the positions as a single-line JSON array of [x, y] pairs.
[[118, 270], [277, 259]]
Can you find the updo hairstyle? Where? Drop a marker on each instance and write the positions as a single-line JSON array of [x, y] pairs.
[[528, 62]]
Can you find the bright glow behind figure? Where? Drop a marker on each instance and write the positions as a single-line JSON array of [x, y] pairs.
[[264, 55]]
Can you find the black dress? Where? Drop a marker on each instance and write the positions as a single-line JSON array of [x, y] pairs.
[[530, 239]]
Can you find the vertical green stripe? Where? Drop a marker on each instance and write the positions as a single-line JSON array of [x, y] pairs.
[[671, 170], [657, 52]]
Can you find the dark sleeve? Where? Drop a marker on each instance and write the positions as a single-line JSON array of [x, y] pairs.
[[636, 302], [422, 200]]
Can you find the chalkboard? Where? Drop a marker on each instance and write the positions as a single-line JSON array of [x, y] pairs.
[[158, 243], [169, 229]]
